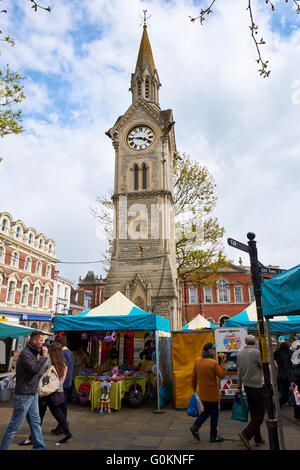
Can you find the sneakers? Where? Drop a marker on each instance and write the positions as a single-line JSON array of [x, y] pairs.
[[216, 439], [259, 444], [245, 441], [195, 432]]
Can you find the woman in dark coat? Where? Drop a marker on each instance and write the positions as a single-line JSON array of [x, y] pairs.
[[285, 377]]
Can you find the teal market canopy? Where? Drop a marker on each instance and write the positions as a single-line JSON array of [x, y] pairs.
[[198, 323], [281, 294], [13, 330], [116, 313], [248, 318]]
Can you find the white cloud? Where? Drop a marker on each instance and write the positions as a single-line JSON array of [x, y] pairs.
[[244, 128]]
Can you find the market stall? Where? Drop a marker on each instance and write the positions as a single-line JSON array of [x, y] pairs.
[[198, 323], [248, 318], [114, 330]]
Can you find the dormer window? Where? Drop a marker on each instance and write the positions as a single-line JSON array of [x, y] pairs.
[[18, 232], [4, 225], [30, 239], [41, 244]]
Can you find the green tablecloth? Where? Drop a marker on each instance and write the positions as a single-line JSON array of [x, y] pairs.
[[117, 390]]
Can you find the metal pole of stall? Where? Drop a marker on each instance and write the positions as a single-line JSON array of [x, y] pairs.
[[157, 371], [275, 388], [271, 421]]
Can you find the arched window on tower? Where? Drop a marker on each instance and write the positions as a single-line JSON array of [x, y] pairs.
[[139, 88], [144, 170], [147, 88], [136, 177]]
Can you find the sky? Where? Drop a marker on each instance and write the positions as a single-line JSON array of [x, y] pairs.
[[244, 128]]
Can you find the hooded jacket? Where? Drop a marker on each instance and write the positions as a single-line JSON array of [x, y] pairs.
[[28, 370]]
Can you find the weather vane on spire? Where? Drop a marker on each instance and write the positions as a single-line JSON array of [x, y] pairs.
[[145, 19]]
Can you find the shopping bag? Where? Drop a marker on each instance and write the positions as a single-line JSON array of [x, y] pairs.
[[199, 404], [296, 395], [193, 407], [239, 408]]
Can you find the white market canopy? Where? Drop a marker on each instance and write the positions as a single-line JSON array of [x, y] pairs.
[[116, 313], [198, 323], [248, 318]]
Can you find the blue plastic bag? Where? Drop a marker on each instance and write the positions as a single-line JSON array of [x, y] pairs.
[[193, 409], [239, 408]]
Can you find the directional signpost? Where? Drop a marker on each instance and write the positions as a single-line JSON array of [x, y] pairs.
[[274, 271], [257, 269]]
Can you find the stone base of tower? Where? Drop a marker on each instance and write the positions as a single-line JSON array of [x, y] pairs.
[[152, 288]]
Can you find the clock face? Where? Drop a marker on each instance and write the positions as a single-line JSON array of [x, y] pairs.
[[140, 137]]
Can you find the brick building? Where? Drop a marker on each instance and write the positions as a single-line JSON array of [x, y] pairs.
[[228, 296], [91, 290], [27, 265]]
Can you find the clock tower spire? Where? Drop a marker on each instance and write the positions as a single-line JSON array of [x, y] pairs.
[[143, 250], [145, 81]]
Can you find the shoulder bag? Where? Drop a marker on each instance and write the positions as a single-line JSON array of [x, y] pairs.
[[49, 382]]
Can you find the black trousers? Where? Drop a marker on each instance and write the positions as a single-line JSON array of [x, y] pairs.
[[56, 411], [211, 409], [256, 403]]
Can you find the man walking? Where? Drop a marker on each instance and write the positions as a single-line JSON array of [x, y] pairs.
[[29, 364], [250, 375], [205, 381]]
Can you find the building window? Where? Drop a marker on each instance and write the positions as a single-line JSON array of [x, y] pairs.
[[46, 298], [27, 264], [139, 87], [38, 268], [251, 294], [238, 297], [2, 251], [36, 296], [30, 239], [144, 176], [18, 232], [50, 248], [207, 295], [223, 291], [15, 260], [136, 177], [24, 296], [58, 290], [48, 271], [11, 292], [88, 295], [4, 225], [193, 295], [66, 292], [41, 244]]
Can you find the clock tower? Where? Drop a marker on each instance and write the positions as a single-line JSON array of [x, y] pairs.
[[143, 258]]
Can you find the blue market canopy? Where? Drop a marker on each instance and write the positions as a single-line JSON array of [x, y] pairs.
[[281, 294], [13, 330], [198, 323], [116, 313], [248, 318]]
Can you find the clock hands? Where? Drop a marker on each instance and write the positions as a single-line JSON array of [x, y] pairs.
[[141, 138]]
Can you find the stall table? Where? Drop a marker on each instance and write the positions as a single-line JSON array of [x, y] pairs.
[[117, 391]]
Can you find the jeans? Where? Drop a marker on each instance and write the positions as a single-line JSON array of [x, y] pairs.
[[255, 397], [210, 409], [25, 406]]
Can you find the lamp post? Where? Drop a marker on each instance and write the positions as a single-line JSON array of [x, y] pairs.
[[271, 421]]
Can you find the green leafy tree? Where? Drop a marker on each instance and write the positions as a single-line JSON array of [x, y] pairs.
[[12, 89]]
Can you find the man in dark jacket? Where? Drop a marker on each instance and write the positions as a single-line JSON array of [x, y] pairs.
[[30, 362]]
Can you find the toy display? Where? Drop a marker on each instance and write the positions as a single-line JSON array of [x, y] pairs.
[[104, 400]]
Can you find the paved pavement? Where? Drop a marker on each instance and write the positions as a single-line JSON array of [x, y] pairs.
[[142, 429]]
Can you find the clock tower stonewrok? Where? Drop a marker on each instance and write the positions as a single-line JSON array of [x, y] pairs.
[[143, 258]]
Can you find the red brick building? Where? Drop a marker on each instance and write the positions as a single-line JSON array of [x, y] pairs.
[[91, 290], [228, 296], [27, 264]]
